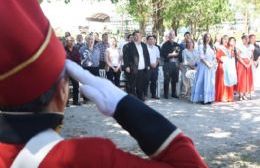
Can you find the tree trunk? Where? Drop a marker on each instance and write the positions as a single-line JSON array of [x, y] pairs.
[[157, 18], [142, 27], [196, 34], [192, 30], [143, 18], [175, 25], [247, 21]]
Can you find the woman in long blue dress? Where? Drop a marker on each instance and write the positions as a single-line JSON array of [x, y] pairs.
[[204, 87]]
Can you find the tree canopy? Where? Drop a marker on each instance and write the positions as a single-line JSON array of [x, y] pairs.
[[197, 15]]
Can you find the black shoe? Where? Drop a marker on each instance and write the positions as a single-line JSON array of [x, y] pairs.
[[155, 97], [166, 97], [208, 103], [85, 101], [175, 96], [141, 98], [77, 104]]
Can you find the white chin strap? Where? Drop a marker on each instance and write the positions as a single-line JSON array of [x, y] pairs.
[[36, 149]]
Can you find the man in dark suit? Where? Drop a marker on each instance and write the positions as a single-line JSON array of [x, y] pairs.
[[137, 64], [171, 53], [129, 84], [255, 49], [74, 55]]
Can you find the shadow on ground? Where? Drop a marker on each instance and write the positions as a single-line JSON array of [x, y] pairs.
[[226, 134]]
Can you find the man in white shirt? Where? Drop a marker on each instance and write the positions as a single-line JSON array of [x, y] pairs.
[[138, 63], [154, 54]]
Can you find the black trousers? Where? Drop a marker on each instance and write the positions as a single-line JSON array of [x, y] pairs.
[[152, 80], [141, 78], [130, 84], [102, 64], [75, 91], [114, 77], [93, 70], [171, 74]]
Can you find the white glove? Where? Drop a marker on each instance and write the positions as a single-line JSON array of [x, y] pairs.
[[101, 91]]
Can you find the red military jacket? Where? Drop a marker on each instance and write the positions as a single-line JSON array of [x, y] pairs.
[[100, 153], [161, 140]]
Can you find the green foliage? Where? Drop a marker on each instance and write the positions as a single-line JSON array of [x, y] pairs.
[[199, 15], [68, 1], [249, 3], [250, 9], [65, 1], [141, 11]]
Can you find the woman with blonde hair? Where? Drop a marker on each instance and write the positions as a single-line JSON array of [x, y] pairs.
[[190, 58], [90, 56], [113, 62]]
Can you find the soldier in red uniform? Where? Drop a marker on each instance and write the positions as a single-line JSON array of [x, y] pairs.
[[33, 95]]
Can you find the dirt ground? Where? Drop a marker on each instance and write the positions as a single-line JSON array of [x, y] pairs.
[[227, 135]]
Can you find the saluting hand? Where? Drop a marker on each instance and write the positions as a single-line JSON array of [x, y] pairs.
[[101, 91]]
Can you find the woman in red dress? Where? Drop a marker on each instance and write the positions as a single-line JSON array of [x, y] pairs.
[[224, 55], [244, 70]]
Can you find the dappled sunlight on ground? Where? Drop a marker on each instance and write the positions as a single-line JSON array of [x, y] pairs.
[[226, 134]]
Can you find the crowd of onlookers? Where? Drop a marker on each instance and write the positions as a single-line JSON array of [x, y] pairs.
[[206, 71], [225, 69]]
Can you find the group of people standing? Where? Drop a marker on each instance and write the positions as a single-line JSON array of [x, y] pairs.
[[224, 69], [207, 72], [138, 60], [141, 62], [94, 54]]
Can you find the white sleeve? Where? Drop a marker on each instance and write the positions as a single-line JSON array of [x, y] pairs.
[[184, 57], [157, 53], [201, 52]]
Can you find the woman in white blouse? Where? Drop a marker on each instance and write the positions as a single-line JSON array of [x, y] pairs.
[[113, 62], [244, 69]]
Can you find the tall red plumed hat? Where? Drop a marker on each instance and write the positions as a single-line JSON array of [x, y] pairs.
[[31, 56]]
